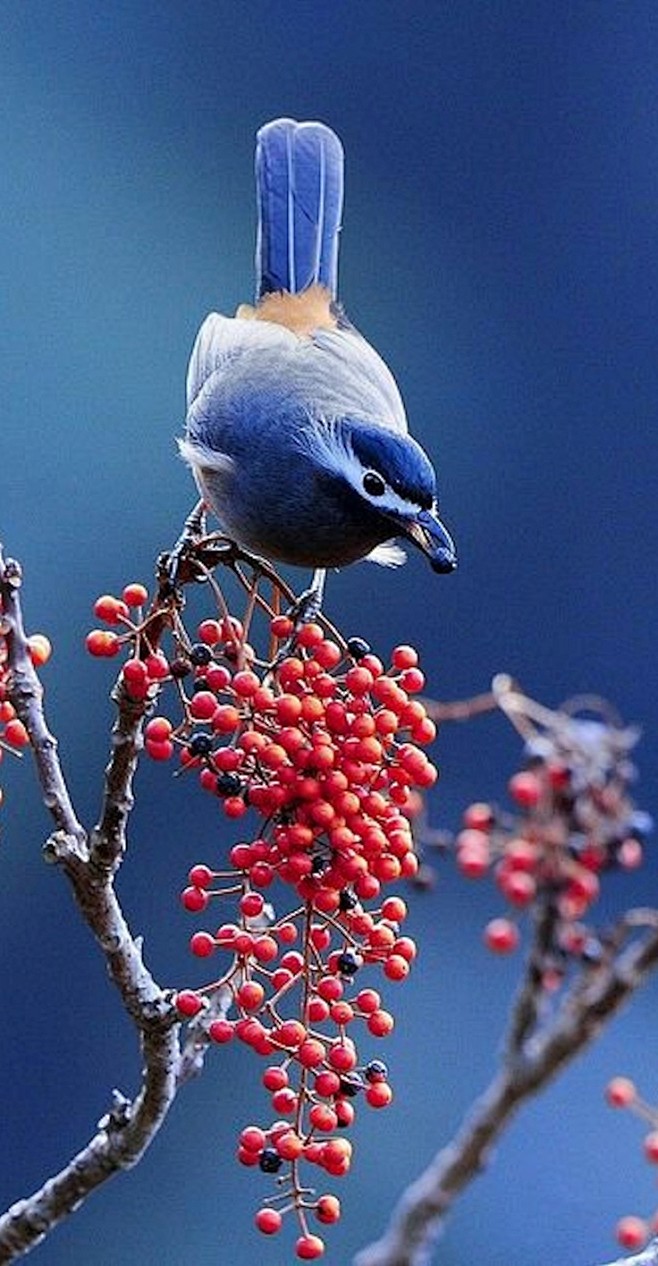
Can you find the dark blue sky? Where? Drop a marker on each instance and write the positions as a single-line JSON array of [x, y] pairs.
[[499, 249]]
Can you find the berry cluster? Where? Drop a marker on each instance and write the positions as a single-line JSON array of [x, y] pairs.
[[323, 746], [633, 1232], [574, 819], [13, 734]]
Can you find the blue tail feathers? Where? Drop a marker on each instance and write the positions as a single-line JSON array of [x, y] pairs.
[[299, 187]]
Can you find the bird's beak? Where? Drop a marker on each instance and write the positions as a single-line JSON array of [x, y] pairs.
[[427, 532]]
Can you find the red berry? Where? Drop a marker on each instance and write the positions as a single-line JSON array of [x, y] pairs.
[[234, 807], [359, 681], [479, 816], [379, 1094], [188, 1003], [311, 1053], [159, 729], [203, 705], [291, 1033], [309, 1247], [251, 904], [281, 626], [368, 1000], [380, 1023], [395, 909], [202, 944], [412, 679], [135, 595], [517, 886], [620, 1092], [102, 643], [265, 949], [16, 734], [40, 649], [221, 1031], [343, 1057], [245, 684], [157, 666], [328, 1209], [226, 718], [289, 1145], [404, 657], [284, 1100], [110, 609], [525, 788], [632, 1232], [250, 995], [210, 632], [322, 1117], [275, 1078], [201, 876], [472, 853], [253, 1138], [159, 751], [501, 936], [396, 967], [194, 899], [651, 1147], [268, 1221]]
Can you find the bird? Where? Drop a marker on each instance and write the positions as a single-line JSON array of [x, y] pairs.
[[295, 430]]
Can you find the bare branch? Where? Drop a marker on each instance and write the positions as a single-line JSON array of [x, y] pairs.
[[129, 1127], [648, 1257], [417, 1220], [27, 698]]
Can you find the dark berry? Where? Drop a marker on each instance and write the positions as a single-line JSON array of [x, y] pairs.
[[228, 784], [349, 962], [269, 1160], [351, 1084], [347, 899], [376, 1070], [180, 667], [357, 647], [200, 745], [200, 654]]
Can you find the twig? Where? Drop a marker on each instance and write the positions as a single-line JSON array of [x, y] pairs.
[[418, 1218]]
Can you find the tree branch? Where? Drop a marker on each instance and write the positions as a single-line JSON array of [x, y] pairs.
[[128, 1128], [648, 1257], [418, 1218]]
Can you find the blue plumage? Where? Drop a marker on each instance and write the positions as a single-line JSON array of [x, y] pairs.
[[299, 187], [295, 430]]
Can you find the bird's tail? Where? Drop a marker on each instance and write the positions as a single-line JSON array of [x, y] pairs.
[[299, 187]]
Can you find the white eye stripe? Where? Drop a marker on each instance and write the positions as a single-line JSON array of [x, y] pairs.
[[329, 445]]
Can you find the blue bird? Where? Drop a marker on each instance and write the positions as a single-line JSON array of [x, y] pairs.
[[296, 432]]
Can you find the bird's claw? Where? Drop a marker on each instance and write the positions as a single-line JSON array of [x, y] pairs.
[[174, 565], [304, 610]]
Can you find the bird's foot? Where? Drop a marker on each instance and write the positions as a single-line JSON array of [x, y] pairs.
[[304, 610], [174, 566]]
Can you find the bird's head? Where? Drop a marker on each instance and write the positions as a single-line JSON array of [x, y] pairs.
[[394, 481]]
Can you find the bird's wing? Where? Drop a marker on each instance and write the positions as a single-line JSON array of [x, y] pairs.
[[363, 376], [332, 374], [222, 340]]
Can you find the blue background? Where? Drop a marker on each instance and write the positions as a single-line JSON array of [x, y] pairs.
[[500, 250]]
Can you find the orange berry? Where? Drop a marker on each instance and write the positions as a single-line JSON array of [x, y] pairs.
[[40, 649], [135, 595]]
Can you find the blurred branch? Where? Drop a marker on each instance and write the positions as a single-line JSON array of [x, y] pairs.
[[90, 864], [417, 1219], [649, 1257], [545, 1031]]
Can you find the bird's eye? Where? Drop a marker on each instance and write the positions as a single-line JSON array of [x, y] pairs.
[[373, 484]]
